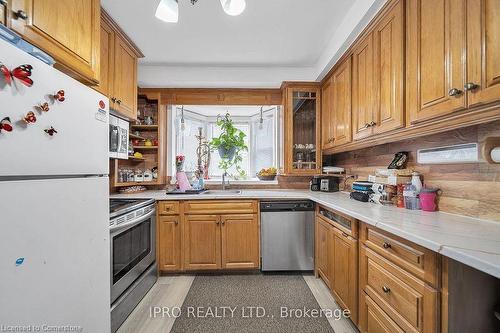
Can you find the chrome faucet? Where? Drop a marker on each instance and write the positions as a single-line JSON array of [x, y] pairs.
[[224, 182]]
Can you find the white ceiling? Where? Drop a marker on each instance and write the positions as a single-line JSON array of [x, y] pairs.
[[272, 41]]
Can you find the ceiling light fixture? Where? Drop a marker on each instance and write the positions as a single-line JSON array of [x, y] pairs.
[[233, 7], [168, 10]]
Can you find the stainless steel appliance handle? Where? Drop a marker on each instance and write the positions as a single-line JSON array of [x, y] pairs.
[[132, 223]]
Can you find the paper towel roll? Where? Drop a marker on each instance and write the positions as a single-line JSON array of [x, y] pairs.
[[495, 154]]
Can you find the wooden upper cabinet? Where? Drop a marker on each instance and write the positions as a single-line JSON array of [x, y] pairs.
[[341, 105], [483, 51], [124, 95], [107, 62], [118, 78], [3, 13], [169, 246], [378, 76], [363, 89], [302, 128], [436, 38], [240, 241], [202, 245], [67, 30], [326, 115], [388, 46]]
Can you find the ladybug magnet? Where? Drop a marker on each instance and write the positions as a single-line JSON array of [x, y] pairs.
[[5, 125], [59, 96], [30, 118]]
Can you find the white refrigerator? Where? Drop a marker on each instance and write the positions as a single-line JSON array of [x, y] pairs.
[[54, 199]]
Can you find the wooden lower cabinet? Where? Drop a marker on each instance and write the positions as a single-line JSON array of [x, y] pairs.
[[169, 236], [202, 245], [410, 303], [240, 241], [322, 240], [208, 235], [344, 271], [337, 264]]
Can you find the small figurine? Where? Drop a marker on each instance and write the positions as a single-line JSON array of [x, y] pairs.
[[5, 125], [30, 118], [50, 131], [59, 96]]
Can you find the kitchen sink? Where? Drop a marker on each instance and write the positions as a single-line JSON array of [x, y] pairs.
[[222, 192]]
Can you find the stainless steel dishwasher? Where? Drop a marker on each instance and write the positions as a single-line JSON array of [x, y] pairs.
[[287, 235]]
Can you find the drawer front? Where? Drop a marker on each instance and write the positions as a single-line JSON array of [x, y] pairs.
[[373, 319], [397, 294], [168, 208], [407, 300], [221, 207], [420, 261]]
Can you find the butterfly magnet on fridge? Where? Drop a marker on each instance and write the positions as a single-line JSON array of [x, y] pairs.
[[21, 73]]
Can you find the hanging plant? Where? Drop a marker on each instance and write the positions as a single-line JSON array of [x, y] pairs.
[[230, 144]]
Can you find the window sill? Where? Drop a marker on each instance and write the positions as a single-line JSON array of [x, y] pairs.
[[253, 181]]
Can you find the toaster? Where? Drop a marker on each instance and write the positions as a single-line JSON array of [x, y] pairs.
[[329, 184]]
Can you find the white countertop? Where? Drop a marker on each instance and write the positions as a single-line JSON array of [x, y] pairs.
[[472, 241]]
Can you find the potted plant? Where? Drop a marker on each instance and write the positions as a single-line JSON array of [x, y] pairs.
[[230, 144]]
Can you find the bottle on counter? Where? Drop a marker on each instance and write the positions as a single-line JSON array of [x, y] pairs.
[[411, 197]]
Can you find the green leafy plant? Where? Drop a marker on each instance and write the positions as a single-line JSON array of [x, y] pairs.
[[230, 144]]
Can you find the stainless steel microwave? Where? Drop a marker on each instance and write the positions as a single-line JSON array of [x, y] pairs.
[[118, 137]]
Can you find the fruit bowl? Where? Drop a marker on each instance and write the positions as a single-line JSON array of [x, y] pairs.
[[267, 174]]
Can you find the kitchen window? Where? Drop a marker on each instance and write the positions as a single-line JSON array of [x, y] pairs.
[[262, 130]]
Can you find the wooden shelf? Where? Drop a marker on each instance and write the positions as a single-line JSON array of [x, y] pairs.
[[145, 147], [138, 137], [144, 127], [133, 158], [136, 184]]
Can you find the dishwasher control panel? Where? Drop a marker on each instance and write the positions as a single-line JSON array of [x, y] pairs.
[[276, 206]]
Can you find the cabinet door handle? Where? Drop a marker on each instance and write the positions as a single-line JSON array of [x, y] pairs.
[[217, 222], [372, 123], [119, 101], [344, 234], [454, 92], [222, 222], [386, 289], [386, 245], [113, 99], [470, 86], [366, 126], [21, 14]]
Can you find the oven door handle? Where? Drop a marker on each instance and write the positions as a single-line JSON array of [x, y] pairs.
[[130, 224]]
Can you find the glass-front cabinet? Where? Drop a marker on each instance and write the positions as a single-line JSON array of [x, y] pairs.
[[302, 128]]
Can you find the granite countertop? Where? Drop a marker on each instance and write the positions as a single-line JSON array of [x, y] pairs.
[[472, 241]]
